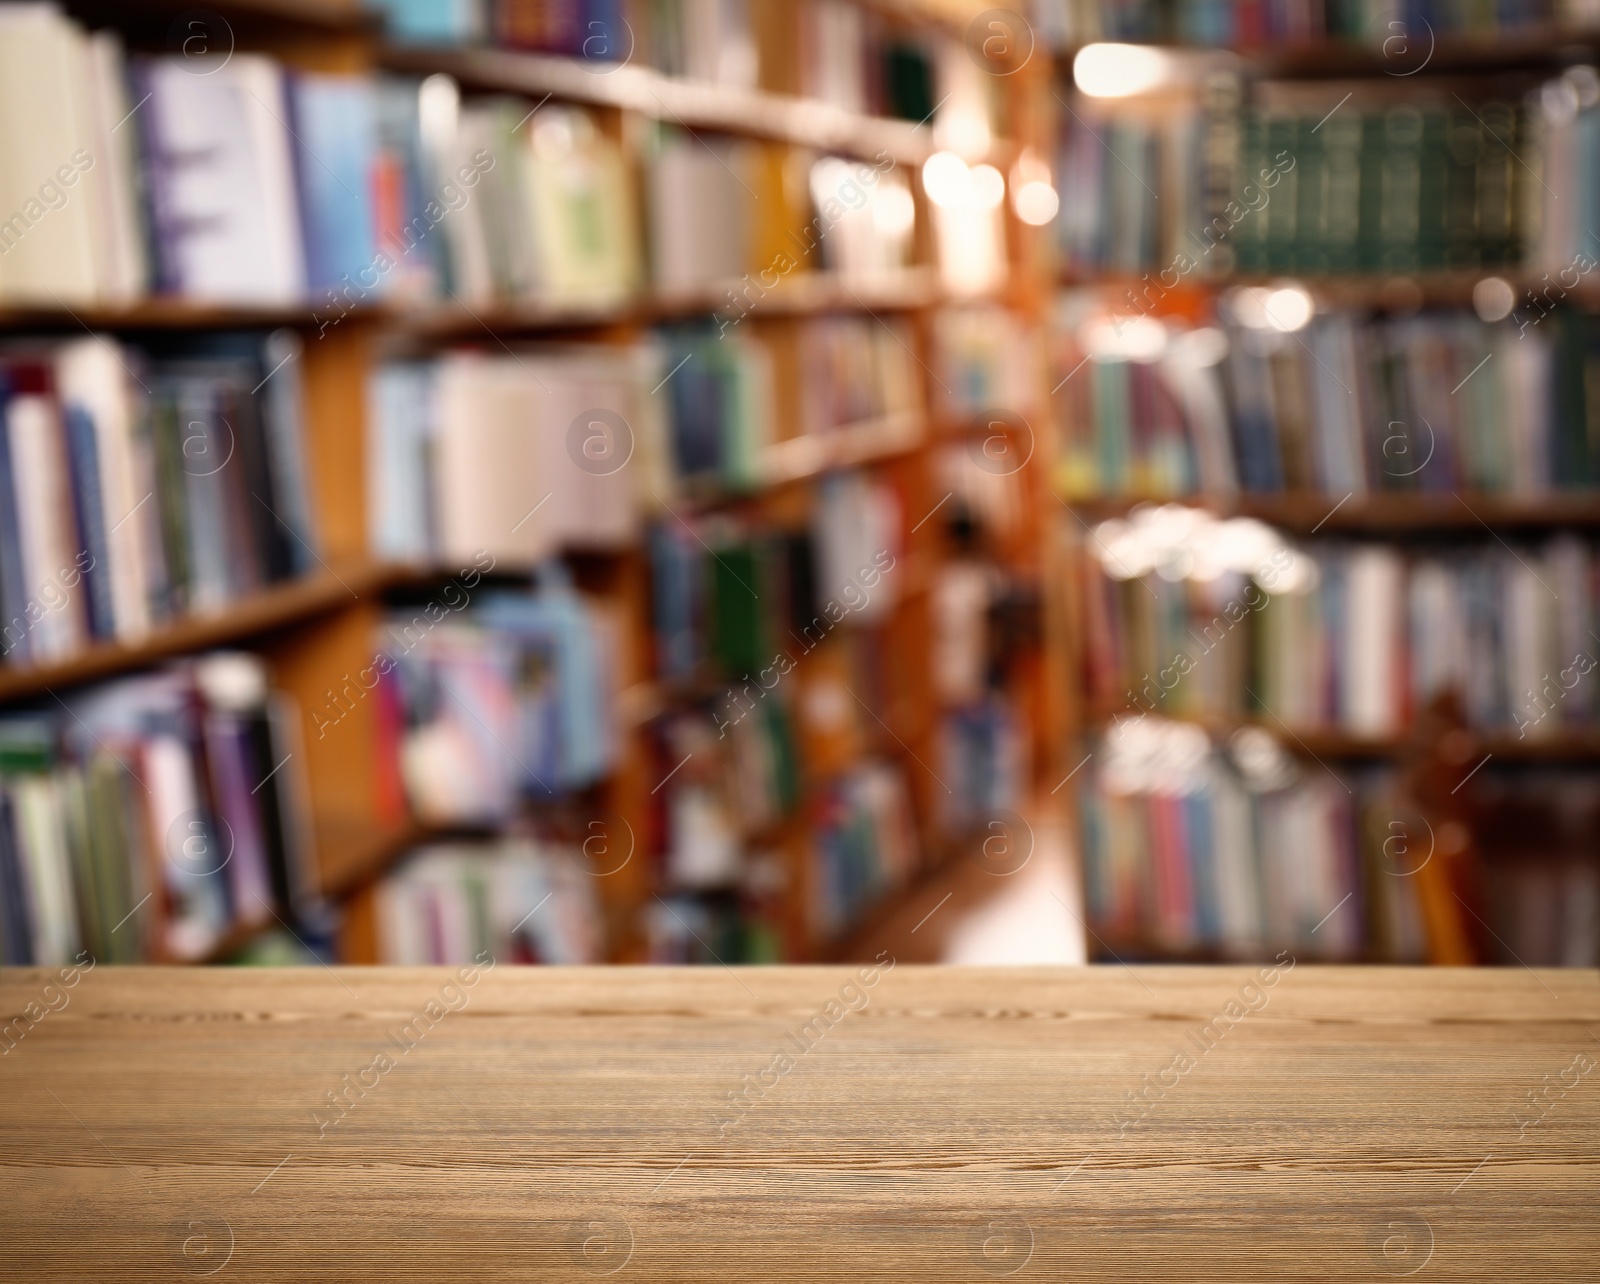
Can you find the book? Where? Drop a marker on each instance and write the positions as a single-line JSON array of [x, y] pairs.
[[149, 818]]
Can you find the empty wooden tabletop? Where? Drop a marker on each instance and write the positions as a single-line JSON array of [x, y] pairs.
[[800, 1124]]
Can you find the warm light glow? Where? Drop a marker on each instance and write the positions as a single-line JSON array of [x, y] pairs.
[[947, 180], [1124, 339], [1285, 308], [986, 187], [1120, 71], [1182, 543], [893, 210], [962, 129], [1035, 203], [1493, 298]]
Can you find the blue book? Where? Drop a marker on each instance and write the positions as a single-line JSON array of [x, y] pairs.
[[83, 467], [14, 623], [336, 146], [447, 22]]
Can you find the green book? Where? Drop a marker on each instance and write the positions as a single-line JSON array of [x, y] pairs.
[[1341, 169], [1370, 237], [1432, 176], [737, 634], [1248, 236], [1310, 177], [1282, 211], [1401, 191], [1463, 145]]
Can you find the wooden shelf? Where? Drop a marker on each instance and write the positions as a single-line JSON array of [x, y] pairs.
[[1401, 292], [1307, 513], [1533, 47], [691, 104], [324, 16], [816, 453], [165, 313], [1552, 744], [279, 607], [802, 294]]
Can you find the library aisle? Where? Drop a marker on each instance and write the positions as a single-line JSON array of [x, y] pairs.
[[776, 481]]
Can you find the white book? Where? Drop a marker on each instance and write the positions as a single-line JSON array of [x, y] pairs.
[[589, 433], [48, 872], [1374, 617], [700, 217], [495, 483], [44, 520], [227, 214], [90, 374], [1527, 621], [48, 252], [1238, 876], [113, 181]]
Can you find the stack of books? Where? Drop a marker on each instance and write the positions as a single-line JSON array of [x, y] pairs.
[[513, 900], [231, 179], [152, 818], [484, 704], [1334, 177], [1237, 850], [1253, 23], [515, 456], [1343, 637], [863, 844], [1435, 403], [737, 598], [837, 51], [138, 485]]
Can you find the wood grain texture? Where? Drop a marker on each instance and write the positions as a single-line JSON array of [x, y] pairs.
[[959, 1126]]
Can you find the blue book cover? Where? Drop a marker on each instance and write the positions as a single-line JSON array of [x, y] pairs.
[[13, 586], [83, 467], [336, 145], [446, 22]]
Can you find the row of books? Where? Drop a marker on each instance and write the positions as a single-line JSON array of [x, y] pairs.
[[522, 454], [837, 51], [1333, 179], [488, 699], [1343, 637], [236, 180], [1233, 849], [862, 844], [1435, 403], [1398, 31], [509, 900], [142, 483], [1189, 846], [740, 598], [737, 779], [516, 456], [152, 818]]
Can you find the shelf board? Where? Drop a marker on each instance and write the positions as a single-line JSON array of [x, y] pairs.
[[1532, 47], [261, 613], [164, 313], [814, 453], [691, 104], [1555, 744], [1401, 292], [801, 294], [1305, 513], [324, 16]]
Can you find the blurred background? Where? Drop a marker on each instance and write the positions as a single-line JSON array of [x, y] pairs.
[[737, 481]]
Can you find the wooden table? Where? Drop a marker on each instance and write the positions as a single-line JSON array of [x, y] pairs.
[[959, 1124]]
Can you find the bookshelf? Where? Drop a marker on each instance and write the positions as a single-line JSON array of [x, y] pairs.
[[1136, 833], [313, 631]]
